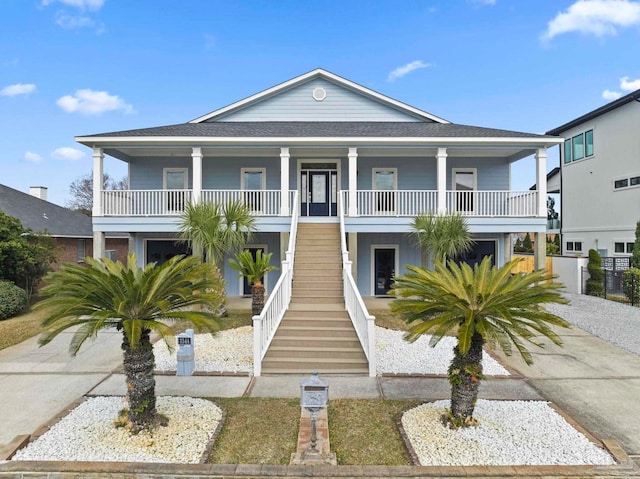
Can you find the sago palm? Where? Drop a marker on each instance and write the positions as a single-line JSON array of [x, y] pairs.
[[441, 237], [486, 304], [136, 301], [254, 270]]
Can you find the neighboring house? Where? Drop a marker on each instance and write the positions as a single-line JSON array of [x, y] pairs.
[[325, 138], [72, 231], [600, 195]]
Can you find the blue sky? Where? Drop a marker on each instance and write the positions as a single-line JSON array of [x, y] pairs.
[[77, 67]]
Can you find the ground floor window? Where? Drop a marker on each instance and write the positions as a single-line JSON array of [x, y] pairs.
[[479, 250], [160, 251], [622, 247], [575, 246]]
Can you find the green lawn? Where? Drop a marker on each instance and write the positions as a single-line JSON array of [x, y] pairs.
[[265, 431], [15, 330]]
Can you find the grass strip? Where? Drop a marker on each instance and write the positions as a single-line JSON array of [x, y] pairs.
[[365, 431], [15, 330], [257, 431]]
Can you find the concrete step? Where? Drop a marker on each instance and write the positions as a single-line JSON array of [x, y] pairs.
[[315, 331], [317, 342], [307, 352]]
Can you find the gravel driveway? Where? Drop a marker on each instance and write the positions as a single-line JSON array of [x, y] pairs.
[[612, 321]]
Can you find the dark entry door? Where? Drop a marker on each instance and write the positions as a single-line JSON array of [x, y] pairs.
[[478, 251], [319, 193], [384, 270], [246, 287]]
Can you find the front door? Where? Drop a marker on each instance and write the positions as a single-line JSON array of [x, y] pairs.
[[318, 193], [384, 267]]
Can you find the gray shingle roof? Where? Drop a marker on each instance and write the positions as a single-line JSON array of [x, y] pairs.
[[319, 129], [41, 216]]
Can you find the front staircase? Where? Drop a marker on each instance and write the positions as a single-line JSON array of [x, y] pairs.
[[316, 332]]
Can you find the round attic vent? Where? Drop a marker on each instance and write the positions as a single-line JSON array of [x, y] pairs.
[[319, 94]]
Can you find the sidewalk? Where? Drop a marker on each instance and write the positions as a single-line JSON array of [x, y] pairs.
[[596, 383]]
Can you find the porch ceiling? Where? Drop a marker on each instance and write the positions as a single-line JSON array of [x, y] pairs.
[[129, 153]]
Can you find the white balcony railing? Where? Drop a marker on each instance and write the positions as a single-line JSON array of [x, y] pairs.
[[173, 202], [363, 322], [266, 323], [503, 203]]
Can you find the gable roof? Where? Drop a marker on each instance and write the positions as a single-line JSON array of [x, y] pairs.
[[306, 77], [633, 96], [42, 216]]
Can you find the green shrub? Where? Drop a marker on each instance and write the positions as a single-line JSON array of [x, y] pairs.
[[631, 284], [13, 299], [595, 283]]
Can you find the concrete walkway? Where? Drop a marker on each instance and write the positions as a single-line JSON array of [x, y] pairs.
[[596, 383]]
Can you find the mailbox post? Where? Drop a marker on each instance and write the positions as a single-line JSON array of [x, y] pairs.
[[185, 355], [314, 396]]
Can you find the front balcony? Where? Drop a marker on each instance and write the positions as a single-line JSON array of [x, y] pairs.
[[172, 202], [404, 203]]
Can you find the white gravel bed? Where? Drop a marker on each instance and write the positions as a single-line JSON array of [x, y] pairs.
[[510, 433], [230, 350], [397, 356], [614, 322], [88, 434]]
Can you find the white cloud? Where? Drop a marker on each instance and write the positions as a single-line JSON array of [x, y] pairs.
[[18, 89], [67, 153], [93, 102], [611, 95], [32, 157], [595, 17], [406, 69], [73, 21], [81, 4], [629, 85]]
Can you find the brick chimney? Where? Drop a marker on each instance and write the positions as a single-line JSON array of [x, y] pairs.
[[38, 192]]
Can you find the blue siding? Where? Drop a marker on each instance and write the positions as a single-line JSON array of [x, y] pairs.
[[413, 173], [147, 173], [272, 241], [224, 174], [493, 174], [297, 104], [408, 253]]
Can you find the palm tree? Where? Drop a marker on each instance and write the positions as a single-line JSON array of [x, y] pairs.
[[254, 270], [486, 304], [215, 230], [441, 237], [136, 301]]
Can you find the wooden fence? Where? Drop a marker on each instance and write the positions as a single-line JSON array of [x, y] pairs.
[[527, 264]]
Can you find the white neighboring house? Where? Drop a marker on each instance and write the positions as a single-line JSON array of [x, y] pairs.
[[600, 194]]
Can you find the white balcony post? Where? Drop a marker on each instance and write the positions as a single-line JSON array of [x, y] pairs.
[[353, 182], [284, 181], [441, 157], [541, 181], [98, 180], [196, 157]]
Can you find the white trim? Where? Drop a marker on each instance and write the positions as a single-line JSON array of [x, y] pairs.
[[189, 141], [263, 186], [175, 170], [377, 170], [266, 275], [299, 162], [396, 266], [319, 73]]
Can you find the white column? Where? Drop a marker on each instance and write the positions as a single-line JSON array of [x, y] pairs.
[[98, 180], [441, 157], [353, 182], [540, 251], [98, 244], [196, 157], [541, 181], [284, 182]]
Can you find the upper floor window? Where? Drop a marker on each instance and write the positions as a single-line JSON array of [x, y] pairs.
[[622, 247], [575, 246], [578, 147]]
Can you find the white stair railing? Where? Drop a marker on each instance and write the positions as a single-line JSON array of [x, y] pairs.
[[363, 322], [266, 323]]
